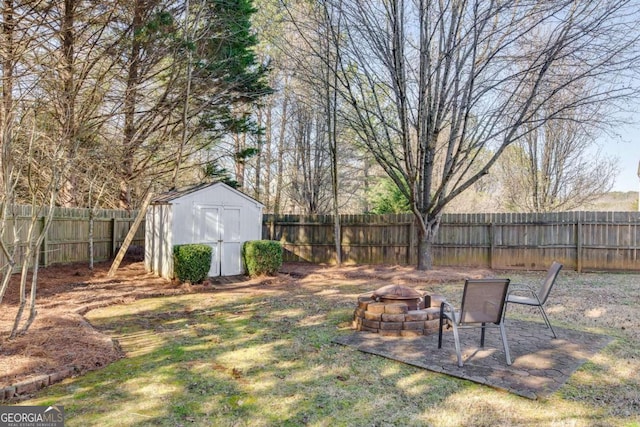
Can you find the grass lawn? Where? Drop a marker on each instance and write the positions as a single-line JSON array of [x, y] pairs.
[[234, 357]]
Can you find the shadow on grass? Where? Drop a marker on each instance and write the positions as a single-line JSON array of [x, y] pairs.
[[242, 359], [253, 361]]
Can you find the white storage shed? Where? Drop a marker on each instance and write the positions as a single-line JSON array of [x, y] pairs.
[[213, 214]]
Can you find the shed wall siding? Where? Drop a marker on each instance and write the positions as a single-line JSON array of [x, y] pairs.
[[159, 241], [167, 240]]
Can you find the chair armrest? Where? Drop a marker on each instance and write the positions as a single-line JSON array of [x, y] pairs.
[[447, 311], [521, 288], [446, 307]]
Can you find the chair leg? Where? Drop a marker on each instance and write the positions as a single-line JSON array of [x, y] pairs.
[[504, 311], [505, 344], [456, 339], [546, 320], [440, 326]]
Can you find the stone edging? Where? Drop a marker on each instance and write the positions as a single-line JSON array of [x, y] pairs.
[[20, 391]]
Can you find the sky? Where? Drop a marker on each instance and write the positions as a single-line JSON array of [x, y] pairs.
[[627, 150]]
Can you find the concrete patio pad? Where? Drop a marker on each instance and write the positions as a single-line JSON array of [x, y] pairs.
[[541, 364]]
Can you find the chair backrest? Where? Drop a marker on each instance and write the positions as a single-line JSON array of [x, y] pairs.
[[552, 274], [483, 300]]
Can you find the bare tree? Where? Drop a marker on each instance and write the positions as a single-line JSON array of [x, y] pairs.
[[555, 167], [310, 180], [76, 38], [309, 53], [23, 148], [21, 238], [331, 24], [436, 86], [146, 105], [284, 120], [41, 216]]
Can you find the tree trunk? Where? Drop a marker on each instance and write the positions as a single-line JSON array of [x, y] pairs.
[[129, 107], [240, 146], [185, 106], [32, 296], [366, 177], [69, 192], [268, 159], [427, 231], [124, 198], [281, 145], [425, 258], [256, 191], [7, 87]]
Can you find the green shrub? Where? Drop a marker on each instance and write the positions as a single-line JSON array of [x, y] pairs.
[[262, 257], [191, 263]]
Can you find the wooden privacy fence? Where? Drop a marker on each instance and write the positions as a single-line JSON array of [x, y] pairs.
[[67, 239], [583, 241]]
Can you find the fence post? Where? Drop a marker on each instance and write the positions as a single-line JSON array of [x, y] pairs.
[[45, 244], [114, 240], [412, 242], [492, 245], [272, 228], [579, 246]]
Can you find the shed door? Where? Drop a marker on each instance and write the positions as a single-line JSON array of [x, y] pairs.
[[208, 232], [219, 227], [231, 260]]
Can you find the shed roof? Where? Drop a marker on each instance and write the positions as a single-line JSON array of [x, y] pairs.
[[171, 195]]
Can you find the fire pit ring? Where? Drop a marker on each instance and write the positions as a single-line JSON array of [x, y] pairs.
[[399, 293], [396, 310]]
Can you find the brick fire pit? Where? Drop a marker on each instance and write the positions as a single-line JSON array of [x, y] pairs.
[[396, 310]]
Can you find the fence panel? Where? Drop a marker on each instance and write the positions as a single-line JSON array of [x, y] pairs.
[[611, 239], [580, 240], [67, 239], [463, 239]]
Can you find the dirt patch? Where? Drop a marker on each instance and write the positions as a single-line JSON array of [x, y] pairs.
[[399, 274]]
